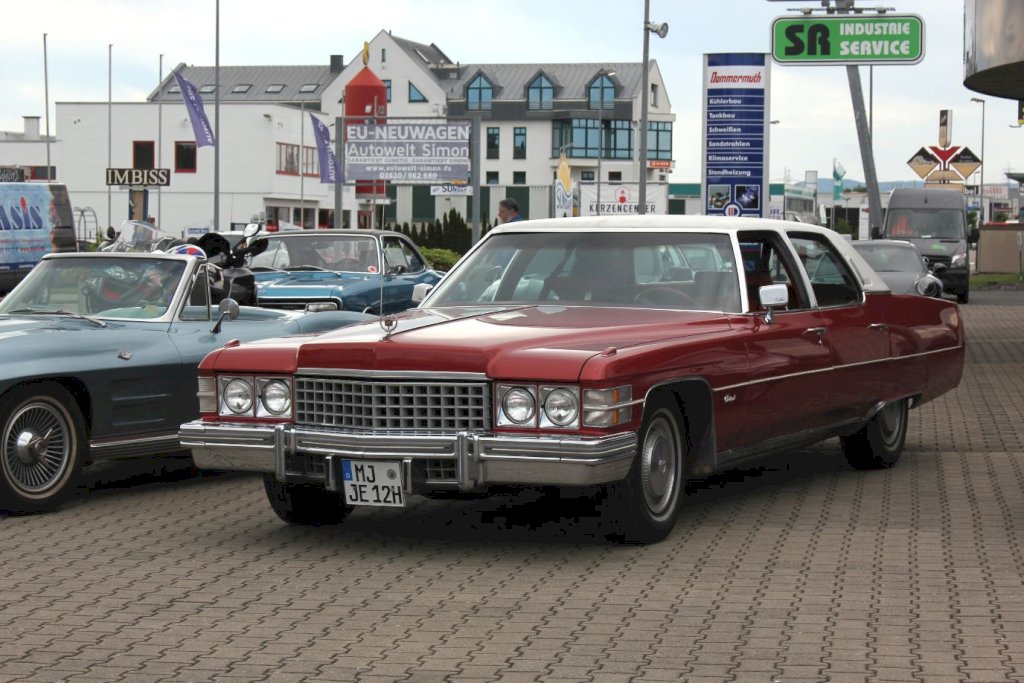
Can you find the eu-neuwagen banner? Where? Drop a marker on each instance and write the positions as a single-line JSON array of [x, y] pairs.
[[414, 153]]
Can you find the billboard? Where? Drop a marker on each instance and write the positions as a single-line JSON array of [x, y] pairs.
[[622, 199], [735, 136], [421, 152]]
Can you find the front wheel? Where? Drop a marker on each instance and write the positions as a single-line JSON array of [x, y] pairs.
[[879, 443], [304, 503], [42, 444], [643, 507]]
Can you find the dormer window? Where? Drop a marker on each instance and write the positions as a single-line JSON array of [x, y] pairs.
[[274, 88], [241, 88], [207, 89], [540, 94], [478, 94], [602, 93], [309, 87]]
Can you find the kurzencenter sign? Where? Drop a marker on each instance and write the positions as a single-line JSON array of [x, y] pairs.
[[421, 153], [850, 40]]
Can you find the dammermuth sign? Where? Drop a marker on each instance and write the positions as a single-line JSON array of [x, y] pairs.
[[735, 138], [427, 153], [849, 40]]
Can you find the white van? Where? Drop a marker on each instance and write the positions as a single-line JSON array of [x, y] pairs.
[[935, 221], [35, 219]]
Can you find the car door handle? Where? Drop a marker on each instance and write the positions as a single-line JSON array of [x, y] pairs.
[[818, 331], [881, 327]]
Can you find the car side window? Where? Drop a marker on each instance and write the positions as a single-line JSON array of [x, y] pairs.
[[767, 261], [399, 253], [832, 280], [197, 304]]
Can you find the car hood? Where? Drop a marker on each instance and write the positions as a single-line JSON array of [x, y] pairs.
[[550, 343], [14, 325], [271, 283]]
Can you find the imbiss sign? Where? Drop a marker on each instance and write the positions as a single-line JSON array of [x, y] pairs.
[[139, 177]]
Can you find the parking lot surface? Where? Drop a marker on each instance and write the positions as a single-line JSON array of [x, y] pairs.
[[801, 569]]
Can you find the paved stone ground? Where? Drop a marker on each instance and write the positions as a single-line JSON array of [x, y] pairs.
[[809, 571]]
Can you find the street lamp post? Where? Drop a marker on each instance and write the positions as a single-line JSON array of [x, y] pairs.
[[662, 31], [600, 134], [981, 190]]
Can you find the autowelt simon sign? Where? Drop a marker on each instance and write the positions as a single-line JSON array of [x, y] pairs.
[[849, 40]]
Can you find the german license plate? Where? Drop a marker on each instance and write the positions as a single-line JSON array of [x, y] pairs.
[[367, 482]]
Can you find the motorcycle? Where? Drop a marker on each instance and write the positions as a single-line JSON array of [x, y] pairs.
[[234, 279]]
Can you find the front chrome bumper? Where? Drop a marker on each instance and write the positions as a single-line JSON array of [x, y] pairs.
[[479, 460]]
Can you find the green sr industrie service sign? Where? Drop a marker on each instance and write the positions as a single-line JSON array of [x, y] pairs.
[[849, 40]]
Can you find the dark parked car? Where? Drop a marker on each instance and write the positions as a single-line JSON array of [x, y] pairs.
[[901, 266], [355, 270], [98, 356]]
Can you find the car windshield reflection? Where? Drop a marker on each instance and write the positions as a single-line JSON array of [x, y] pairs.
[[99, 287], [672, 270], [318, 251]]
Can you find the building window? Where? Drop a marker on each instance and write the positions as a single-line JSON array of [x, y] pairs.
[[415, 95], [493, 142], [274, 88], [478, 94], [618, 143], [387, 85], [174, 89], [519, 143], [580, 138], [205, 89], [241, 88], [143, 154], [41, 173], [540, 94], [659, 140], [184, 157], [492, 177], [602, 93], [518, 177], [615, 176], [383, 55], [287, 159], [654, 94], [587, 176], [309, 87]]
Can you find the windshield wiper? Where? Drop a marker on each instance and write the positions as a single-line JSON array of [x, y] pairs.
[[51, 311]]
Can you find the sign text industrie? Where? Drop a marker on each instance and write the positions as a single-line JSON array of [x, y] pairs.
[[850, 40]]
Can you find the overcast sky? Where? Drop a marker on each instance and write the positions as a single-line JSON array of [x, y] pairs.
[[812, 103]]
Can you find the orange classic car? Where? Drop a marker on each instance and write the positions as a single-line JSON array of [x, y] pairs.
[[625, 355]]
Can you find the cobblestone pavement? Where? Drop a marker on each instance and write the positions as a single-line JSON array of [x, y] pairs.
[[803, 572]]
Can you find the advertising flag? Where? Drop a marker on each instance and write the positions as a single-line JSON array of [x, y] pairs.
[[330, 169], [196, 114], [838, 172]]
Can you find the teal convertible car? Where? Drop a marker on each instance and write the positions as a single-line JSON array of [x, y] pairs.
[[98, 357]]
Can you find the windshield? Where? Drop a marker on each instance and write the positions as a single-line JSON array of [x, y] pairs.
[[352, 253], [676, 270], [885, 258], [105, 287], [925, 224]]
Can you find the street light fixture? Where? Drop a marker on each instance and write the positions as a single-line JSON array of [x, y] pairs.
[[600, 132], [981, 190], [662, 31]]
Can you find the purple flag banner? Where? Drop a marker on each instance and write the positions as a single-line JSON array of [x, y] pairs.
[[194, 104], [330, 169]]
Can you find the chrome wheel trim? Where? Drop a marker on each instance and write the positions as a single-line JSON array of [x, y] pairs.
[[891, 421], [36, 448], [660, 467]]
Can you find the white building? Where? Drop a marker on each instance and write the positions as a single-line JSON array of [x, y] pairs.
[[528, 115]]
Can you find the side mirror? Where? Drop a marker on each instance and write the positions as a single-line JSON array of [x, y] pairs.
[[228, 308], [396, 269], [258, 246], [876, 233], [973, 235], [250, 229], [420, 291], [772, 297]]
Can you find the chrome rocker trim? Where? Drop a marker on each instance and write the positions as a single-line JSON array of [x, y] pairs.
[[481, 459]]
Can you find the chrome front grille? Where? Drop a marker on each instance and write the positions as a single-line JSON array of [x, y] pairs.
[[392, 405]]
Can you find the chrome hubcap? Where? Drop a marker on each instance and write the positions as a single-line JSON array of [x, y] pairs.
[[659, 466], [36, 447]]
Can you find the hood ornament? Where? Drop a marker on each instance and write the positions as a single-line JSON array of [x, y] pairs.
[[388, 323]]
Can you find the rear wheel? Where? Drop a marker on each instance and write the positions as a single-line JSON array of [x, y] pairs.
[[879, 443], [643, 507], [304, 503], [963, 296], [42, 444]]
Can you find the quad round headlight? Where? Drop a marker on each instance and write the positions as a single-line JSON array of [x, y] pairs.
[[276, 397], [238, 396], [561, 407], [519, 406]]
